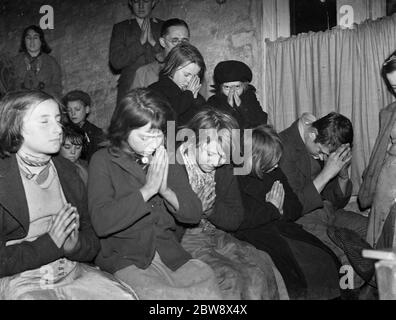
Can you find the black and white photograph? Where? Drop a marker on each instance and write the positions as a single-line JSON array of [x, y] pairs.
[[198, 154]]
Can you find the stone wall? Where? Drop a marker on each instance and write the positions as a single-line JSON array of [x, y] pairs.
[[82, 29]]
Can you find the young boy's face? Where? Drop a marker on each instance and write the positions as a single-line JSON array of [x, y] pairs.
[[141, 8], [77, 112], [71, 151]]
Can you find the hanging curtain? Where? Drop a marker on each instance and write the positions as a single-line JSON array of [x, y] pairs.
[[337, 70]]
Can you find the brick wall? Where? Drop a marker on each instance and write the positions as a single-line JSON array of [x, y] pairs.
[[81, 37]]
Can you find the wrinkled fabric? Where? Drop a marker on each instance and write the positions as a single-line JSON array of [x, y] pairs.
[[194, 280], [84, 282], [387, 118], [242, 271], [384, 196], [318, 221]]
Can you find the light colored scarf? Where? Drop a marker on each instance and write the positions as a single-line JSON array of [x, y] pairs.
[[198, 179], [27, 162]]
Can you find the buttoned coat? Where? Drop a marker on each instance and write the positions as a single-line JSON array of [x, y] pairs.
[[130, 229]]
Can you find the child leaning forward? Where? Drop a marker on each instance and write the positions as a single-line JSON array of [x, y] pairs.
[[135, 198]]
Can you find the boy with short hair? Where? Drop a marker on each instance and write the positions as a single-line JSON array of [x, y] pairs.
[[78, 106], [316, 158]]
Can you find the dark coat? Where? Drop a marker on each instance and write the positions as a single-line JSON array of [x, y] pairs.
[[130, 229], [14, 221], [249, 114], [259, 212], [48, 79], [296, 164], [266, 229], [182, 102], [95, 136], [127, 53], [228, 212]]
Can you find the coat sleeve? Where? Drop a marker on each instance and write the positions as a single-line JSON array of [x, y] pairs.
[[26, 255], [190, 207], [303, 186], [122, 52], [255, 115], [228, 212], [109, 214], [333, 193], [292, 208], [88, 244], [258, 212]]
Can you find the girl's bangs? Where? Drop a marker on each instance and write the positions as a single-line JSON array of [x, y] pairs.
[[185, 64], [75, 140], [144, 116]]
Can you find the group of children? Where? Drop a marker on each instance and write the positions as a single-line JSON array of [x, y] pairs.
[[120, 215], [157, 230]]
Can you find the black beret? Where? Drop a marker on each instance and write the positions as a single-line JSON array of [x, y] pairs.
[[231, 70]]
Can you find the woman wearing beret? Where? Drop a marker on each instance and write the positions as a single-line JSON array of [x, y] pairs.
[[235, 94], [34, 68]]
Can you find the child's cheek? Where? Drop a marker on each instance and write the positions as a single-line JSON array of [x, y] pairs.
[[78, 154]]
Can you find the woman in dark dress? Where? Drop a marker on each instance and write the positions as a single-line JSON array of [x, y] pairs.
[[309, 268]]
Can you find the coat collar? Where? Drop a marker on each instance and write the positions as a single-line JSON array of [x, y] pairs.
[[12, 193], [68, 181], [294, 137], [127, 163], [171, 88]]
